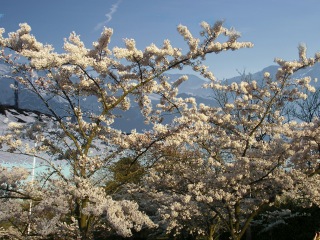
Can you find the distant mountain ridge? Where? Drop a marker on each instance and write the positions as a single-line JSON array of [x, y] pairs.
[[313, 72], [132, 118]]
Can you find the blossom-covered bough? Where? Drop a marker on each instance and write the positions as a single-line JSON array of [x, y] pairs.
[[236, 157], [76, 204]]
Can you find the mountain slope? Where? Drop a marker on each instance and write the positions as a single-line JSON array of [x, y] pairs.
[[132, 119]]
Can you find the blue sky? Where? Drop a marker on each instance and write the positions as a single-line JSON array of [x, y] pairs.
[[276, 27]]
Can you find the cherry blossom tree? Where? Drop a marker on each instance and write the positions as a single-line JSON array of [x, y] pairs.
[[75, 203], [227, 163]]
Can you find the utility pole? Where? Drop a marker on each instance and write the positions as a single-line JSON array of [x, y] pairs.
[[16, 94], [32, 179]]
